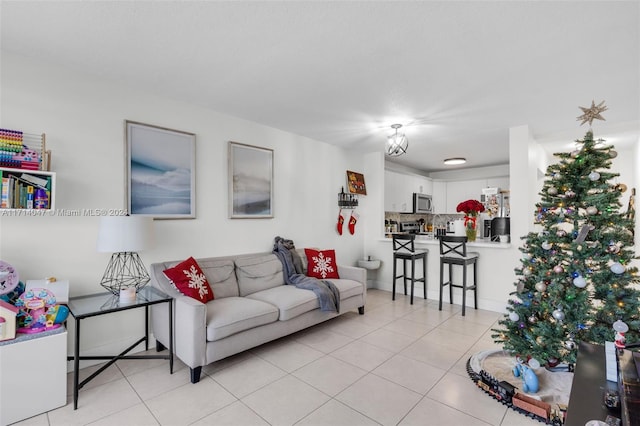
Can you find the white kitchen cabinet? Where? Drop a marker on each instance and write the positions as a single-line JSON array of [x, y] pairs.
[[463, 190], [399, 189], [439, 195]]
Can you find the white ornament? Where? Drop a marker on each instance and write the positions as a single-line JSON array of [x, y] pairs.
[[620, 326], [552, 190], [617, 268], [613, 154], [580, 282], [526, 256], [594, 176], [546, 245], [526, 272], [540, 286], [513, 316], [558, 314], [592, 210]]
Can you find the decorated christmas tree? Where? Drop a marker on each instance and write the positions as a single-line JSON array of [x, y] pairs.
[[575, 279]]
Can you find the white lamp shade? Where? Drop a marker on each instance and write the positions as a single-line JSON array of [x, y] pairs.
[[125, 233]]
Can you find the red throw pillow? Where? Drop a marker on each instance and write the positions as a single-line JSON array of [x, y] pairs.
[[189, 279], [321, 263]]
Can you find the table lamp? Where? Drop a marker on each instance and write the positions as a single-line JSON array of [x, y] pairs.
[[124, 236]]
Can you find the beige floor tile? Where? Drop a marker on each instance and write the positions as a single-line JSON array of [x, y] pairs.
[[389, 340], [138, 415], [334, 413], [430, 412], [480, 316], [463, 326], [408, 328], [412, 374], [323, 340], [109, 375], [95, 403], [362, 355], [226, 362], [285, 401], [462, 394], [397, 308], [151, 382], [133, 366], [449, 339], [247, 376], [433, 354], [350, 328], [236, 414], [188, 403], [379, 399], [429, 315], [287, 354], [329, 375], [39, 420]]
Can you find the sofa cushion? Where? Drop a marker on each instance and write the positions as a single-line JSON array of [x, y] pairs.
[[321, 264], [221, 276], [348, 288], [189, 279], [231, 315], [291, 301], [258, 273]]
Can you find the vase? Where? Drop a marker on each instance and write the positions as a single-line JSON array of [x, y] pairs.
[[471, 228]]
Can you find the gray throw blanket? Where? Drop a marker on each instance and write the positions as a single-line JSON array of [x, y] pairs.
[[328, 294]]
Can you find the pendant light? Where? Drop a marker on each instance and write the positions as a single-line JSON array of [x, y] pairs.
[[397, 143]]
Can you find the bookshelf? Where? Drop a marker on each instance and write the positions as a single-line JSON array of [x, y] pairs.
[[27, 189]]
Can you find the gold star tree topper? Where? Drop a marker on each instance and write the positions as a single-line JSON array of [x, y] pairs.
[[592, 113]]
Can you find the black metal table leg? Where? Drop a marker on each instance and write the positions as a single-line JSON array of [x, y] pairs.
[[76, 365]]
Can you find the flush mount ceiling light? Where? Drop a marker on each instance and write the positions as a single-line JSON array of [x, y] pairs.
[[455, 161], [397, 143]]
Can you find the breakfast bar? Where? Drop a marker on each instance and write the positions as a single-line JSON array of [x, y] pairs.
[[496, 276]]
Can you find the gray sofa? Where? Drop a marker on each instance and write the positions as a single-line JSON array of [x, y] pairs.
[[252, 306]]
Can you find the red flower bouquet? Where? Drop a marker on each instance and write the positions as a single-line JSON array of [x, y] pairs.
[[470, 208]]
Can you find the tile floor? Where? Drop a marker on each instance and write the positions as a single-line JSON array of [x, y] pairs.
[[399, 364]]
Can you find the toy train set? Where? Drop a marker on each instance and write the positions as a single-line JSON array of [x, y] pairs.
[[508, 395]]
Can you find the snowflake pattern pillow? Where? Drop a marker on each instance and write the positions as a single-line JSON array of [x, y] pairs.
[[188, 279], [321, 263]]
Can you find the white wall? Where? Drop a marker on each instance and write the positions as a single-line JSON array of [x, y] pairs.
[[83, 118]]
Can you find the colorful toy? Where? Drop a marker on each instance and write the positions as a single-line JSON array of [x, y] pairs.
[[27, 154], [39, 311], [8, 278], [8, 312], [530, 382], [13, 295]]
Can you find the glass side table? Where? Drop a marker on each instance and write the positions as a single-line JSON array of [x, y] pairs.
[[83, 307]]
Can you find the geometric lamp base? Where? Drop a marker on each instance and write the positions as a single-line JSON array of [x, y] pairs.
[[125, 270]]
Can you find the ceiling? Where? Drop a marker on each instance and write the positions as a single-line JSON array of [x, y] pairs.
[[456, 74]]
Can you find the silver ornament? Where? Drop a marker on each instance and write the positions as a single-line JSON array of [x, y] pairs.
[[546, 245], [533, 319], [570, 344], [513, 316], [594, 176], [580, 282], [620, 326], [617, 268], [558, 314], [552, 190], [541, 287], [613, 154], [592, 210]]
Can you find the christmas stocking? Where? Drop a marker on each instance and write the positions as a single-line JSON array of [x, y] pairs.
[[352, 222], [340, 222]]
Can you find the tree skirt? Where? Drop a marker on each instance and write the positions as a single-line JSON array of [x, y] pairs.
[[554, 389]]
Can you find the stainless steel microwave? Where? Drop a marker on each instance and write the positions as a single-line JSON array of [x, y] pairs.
[[422, 203]]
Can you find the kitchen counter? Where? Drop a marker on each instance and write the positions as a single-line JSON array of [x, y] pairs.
[[420, 240]]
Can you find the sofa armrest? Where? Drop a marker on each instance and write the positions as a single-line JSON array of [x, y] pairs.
[[353, 273], [190, 331], [189, 320]]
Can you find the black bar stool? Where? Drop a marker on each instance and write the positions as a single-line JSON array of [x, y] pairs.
[[404, 249], [453, 251]]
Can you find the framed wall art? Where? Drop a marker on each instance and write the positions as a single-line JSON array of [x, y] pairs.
[[355, 183], [250, 181], [160, 172]]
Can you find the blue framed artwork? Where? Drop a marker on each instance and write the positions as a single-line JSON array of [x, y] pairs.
[[160, 172]]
